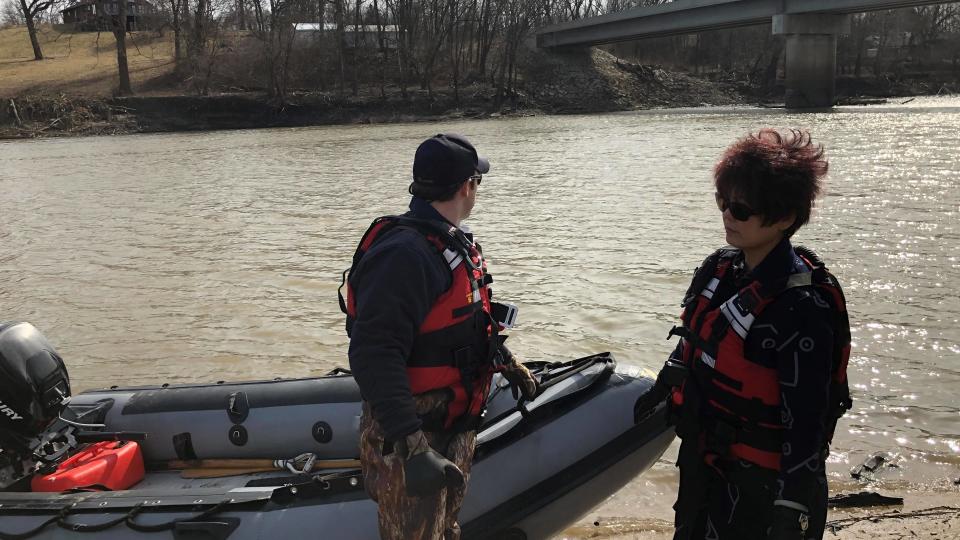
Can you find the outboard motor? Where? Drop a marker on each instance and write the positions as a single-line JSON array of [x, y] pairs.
[[34, 389]]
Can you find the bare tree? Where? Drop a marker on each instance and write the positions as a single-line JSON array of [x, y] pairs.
[[338, 19], [937, 20], [276, 33], [457, 46], [435, 32], [11, 14], [199, 18], [381, 49], [487, 28], [241, 15], [177, 9], [358, 33], [118, 25], [32, 10], [517, 22]]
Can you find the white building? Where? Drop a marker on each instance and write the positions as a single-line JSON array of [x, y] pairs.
[[365, 35]]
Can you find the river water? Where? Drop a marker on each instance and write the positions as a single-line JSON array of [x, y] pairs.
[[216, 256]]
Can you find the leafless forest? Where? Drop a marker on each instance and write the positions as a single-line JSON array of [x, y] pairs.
[[381, 47]]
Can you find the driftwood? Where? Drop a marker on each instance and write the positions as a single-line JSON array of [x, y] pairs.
[[840, 524], [12, 109], [862, 499], [854, 100]]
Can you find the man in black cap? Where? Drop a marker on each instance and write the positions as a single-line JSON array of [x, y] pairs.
[[424, 344]]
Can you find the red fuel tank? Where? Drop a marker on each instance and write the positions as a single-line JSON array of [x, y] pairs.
[[111, 464]]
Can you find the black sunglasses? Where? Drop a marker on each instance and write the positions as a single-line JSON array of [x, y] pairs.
[[476, 178], [739, 211]]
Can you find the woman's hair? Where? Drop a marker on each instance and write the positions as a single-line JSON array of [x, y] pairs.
[[776, 175], [432, 192]]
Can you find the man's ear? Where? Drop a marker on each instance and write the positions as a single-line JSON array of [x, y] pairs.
[[786, 223], [464, 190]]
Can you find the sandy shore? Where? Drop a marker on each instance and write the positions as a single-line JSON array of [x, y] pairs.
[[934, 515]]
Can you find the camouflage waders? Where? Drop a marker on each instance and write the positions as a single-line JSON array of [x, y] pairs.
[[400, 516]]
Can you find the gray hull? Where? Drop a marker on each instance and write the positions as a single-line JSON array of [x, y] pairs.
[[536, 470]]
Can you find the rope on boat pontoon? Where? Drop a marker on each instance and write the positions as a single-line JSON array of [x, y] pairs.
[[550, 379], [172, 523], [80, 527], [34, 531], [61, 520], [316, 486]]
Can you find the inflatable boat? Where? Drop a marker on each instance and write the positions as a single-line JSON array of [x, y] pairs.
[[277, 459]]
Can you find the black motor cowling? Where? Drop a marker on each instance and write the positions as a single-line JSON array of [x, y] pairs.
[[34, 386]]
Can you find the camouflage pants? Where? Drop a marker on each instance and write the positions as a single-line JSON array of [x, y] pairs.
[[400, 516]]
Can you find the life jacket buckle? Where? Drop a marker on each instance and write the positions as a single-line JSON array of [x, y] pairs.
[[721, 437], [463, 360], [748, 300], [677, 331]]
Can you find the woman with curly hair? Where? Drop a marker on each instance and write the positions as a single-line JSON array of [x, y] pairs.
[[758, 379]]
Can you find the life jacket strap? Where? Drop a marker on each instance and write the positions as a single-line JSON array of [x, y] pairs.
[[758, 411], [343, 282], [468, 309], [681, 331]]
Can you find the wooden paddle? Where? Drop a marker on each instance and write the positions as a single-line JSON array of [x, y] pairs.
[[221, 473], [217, 468]]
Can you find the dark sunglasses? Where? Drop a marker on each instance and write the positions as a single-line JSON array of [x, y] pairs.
[[476, 178], [739, 211]]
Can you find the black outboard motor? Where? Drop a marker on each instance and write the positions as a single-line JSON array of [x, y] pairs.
[[34, 389]]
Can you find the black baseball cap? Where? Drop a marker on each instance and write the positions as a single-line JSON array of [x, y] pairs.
[[446, 160]]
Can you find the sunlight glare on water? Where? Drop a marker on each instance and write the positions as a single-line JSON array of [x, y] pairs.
[[216, 256]]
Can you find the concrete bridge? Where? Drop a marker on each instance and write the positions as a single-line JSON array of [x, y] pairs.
[[811, 28]]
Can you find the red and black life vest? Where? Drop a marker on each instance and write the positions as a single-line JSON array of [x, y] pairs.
[[741, 398], [454, 347]]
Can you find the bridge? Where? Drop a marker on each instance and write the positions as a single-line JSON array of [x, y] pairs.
[[811, 28]]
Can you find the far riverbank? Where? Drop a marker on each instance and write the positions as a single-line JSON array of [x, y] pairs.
[[589, 81], [609, 85], [571, 82]]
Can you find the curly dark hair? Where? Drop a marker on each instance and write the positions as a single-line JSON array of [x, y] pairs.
[[778, 175]]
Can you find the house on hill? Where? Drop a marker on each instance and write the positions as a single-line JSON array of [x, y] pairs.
[[84, 15]]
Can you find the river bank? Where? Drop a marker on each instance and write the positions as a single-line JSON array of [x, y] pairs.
[[586, 81], [604, 84], [934, 515], [571, 82]]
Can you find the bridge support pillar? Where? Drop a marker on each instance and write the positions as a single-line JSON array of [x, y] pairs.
[[811, 62]]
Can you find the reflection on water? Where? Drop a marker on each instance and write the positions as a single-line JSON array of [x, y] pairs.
[[202, 257]]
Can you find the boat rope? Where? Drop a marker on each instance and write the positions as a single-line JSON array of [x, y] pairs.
[[32, 532], [172, 523], [288, 490], [61, 520], [80, 527], [553, 378], [840, 524]]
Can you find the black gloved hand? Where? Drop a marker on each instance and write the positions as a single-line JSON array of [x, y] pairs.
[[671, 375], [426, 471], [648, 402], [788, 524]]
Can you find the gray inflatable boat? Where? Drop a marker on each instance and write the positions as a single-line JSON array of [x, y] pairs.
[[539, 466]]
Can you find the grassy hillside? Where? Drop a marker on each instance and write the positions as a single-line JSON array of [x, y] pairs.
[[81, 63]]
